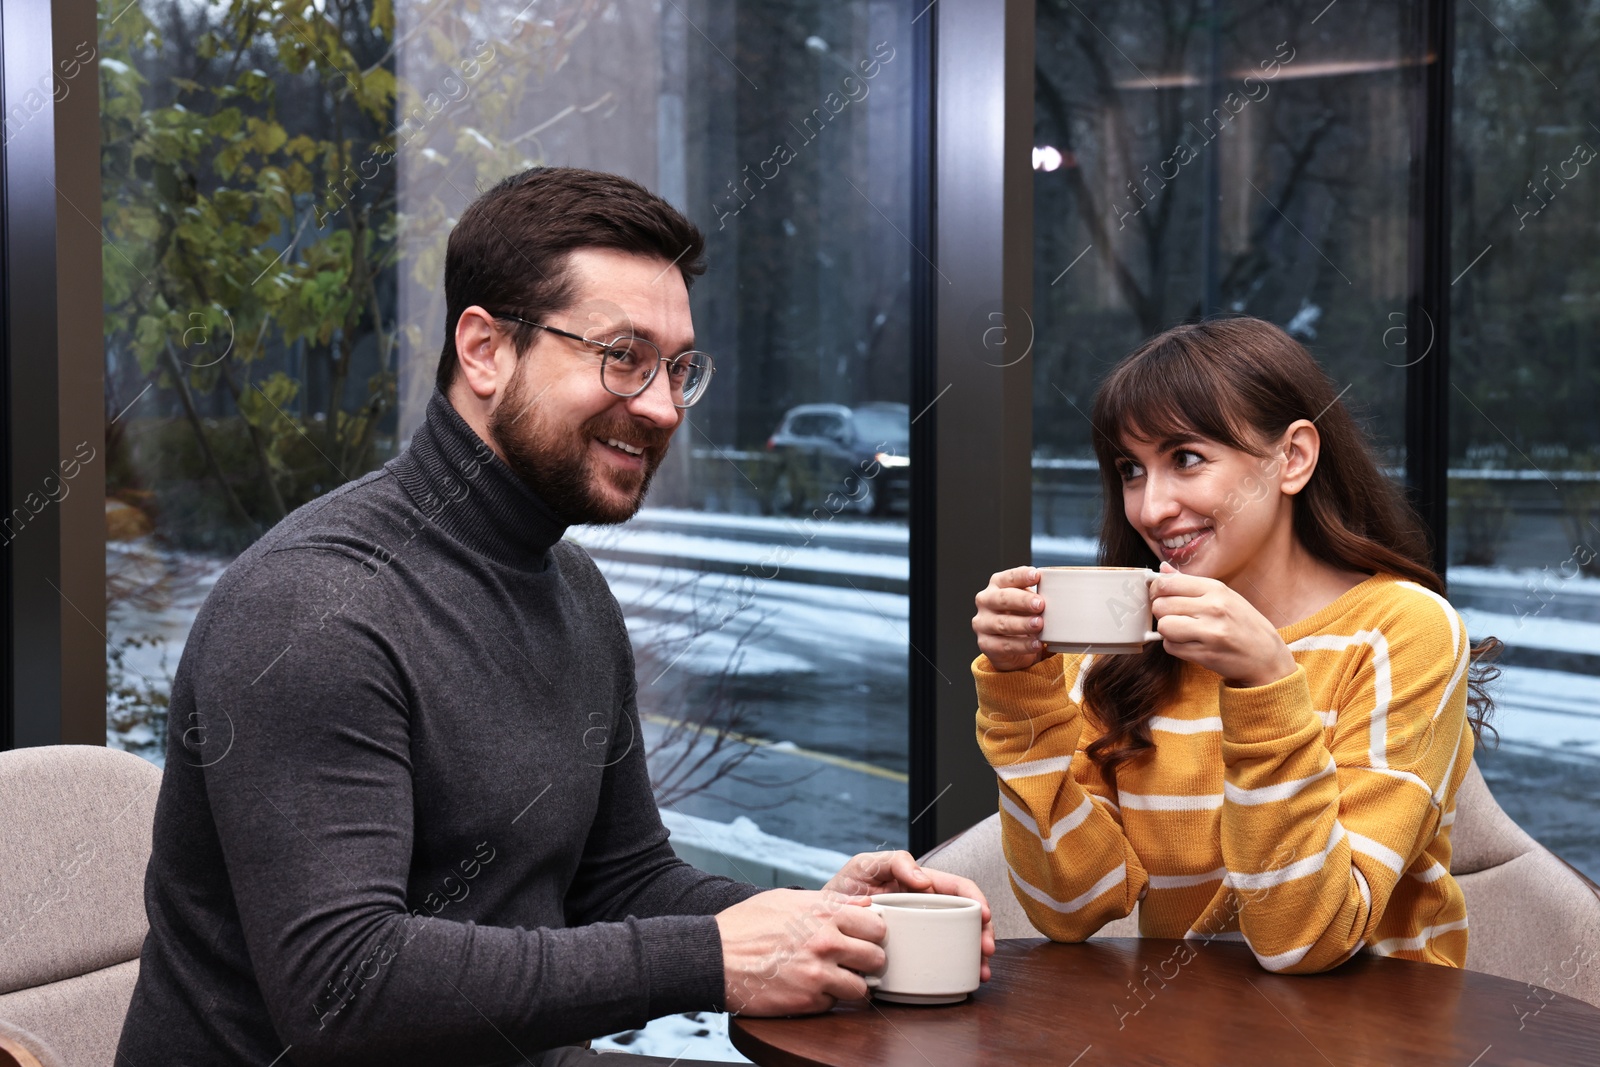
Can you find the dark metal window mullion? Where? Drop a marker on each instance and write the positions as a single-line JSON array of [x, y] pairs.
[[923, 632], [1427, 410], [30, 535]]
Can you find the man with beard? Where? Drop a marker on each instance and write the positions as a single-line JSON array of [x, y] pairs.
[[406, 816]]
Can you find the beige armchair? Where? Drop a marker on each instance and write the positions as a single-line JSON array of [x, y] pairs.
[[1534, 919], [75, 825]]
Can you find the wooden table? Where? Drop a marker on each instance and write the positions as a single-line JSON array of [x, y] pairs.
[[1197, 1004]]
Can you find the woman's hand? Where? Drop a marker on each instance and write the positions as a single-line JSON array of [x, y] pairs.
[[1203, 621], [1010, 616]]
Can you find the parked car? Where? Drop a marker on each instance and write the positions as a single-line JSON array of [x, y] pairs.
[[862, 453]]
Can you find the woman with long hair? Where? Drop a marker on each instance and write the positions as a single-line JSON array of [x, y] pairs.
[[1282, 766]]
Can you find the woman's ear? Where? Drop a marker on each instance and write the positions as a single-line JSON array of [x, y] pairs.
[[1300, 446]]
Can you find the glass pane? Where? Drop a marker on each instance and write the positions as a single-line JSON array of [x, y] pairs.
[[278, 196], [1524, 442], [250, 312], [1253, 161], [765, 580]]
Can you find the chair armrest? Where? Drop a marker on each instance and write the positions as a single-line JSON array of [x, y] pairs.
[[14, 1055]]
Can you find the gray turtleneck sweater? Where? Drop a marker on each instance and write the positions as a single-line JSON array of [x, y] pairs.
[[406, 817]]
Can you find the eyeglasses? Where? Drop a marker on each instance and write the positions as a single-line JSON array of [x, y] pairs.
[[628, 364]]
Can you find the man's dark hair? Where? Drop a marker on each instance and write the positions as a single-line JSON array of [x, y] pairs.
[[509, 250]]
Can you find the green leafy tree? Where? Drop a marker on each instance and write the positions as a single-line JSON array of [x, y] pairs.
[[221, 255]]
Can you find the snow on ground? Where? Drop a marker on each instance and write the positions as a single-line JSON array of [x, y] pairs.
[[1084, 548], [780, 529], [700, 1035], [766, 561], [153, 596], [705, 624], [1535, 631], [750, 850], [1522, 577], [1552, 711]]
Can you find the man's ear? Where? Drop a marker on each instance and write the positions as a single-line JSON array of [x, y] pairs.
[[478, 353], [1300, 446]]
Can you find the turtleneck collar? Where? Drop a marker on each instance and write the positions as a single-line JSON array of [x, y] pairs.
[[457, 482]]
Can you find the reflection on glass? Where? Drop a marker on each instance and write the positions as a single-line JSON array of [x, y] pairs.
[[1524, 443]]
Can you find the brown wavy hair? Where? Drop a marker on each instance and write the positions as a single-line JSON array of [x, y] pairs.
[[1241, 382]]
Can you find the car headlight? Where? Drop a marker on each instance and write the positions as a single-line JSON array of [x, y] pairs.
[[889, 459]]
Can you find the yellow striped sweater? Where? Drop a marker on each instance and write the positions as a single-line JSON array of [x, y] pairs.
[[1311, 815]]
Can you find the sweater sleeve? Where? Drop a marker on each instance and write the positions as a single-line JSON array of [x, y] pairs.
[[313, 805], [1071, 866], [1316, 835]]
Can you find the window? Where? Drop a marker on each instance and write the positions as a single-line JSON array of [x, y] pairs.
[[278, 195], [1524, 443], [1250, 162], [1262, 161]]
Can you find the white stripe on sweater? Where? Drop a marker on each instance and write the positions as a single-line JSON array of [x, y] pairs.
[[1212, 725], [1170, 801], [1432, 873], [1298, 869], [1184, 881], [1450, 769], [1412, 944], [1451, 618], [1268, 794], [1077, 903], [1064, 825], [1282, 961], [1383, 691], [1075, 694], [1404, 776], [1378, 851], [1455, 680], [1029, 768]]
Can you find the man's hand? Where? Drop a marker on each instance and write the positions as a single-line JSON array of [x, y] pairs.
[[791, 951], [1205, 622], [869, 873]]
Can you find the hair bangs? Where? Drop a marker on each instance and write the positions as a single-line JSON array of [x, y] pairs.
[[1163, 392]]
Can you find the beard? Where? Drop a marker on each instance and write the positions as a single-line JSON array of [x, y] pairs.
[[557, 463]]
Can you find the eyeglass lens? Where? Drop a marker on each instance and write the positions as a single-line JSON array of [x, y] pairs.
[[631, 363]]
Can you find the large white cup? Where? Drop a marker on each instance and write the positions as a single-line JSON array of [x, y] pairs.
[[1103, 610], [934, 948]]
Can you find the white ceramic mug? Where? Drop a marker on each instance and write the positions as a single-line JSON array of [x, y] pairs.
[[934, 948], [1103, 610]]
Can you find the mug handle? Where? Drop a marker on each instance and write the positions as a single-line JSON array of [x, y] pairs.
[[1150, 576]]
